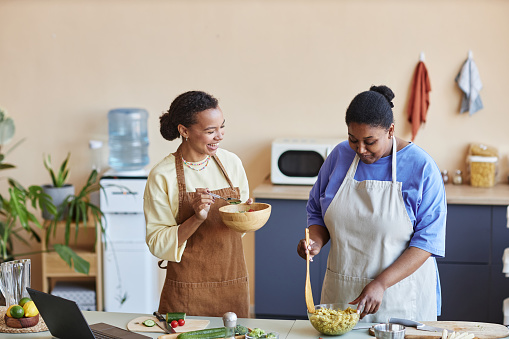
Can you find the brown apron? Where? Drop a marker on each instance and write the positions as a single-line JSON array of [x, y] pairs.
[[211, 278]]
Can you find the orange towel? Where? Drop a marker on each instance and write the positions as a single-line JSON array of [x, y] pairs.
[[419, 98]]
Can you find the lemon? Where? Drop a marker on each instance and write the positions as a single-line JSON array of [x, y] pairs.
[[23, 300], [8, 313], [30, 309], [17, 311]]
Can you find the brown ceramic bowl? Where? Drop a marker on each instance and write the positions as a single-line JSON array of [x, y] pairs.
[[238, 217], [21, 322]]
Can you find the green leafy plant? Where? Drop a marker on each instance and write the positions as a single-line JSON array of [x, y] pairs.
[[59, 178], [80, 212], [16, 218]]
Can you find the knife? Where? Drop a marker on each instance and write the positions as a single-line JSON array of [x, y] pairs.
[[418, 325], [163, 324]]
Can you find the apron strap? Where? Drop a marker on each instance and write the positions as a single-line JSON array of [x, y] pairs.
[[216, 159], [181, 181], [353, 167], [160, 264]]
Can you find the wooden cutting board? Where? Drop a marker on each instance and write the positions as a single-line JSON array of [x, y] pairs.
[[136, 325], [480, 330], [174, 335]]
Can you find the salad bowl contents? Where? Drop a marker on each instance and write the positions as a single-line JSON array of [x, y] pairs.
[[333, 319], [245, 217]]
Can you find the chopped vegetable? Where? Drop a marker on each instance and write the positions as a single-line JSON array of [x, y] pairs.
[[240, 330], [175, 316], [149, 323], [256, 333]]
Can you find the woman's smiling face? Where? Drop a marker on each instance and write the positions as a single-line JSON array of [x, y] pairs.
[[370, 143], [204, 136]]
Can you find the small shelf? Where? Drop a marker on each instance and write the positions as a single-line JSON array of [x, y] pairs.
[[55, 269]]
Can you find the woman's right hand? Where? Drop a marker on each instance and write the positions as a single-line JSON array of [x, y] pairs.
[[201, 203], [313, 248], [318, 237]]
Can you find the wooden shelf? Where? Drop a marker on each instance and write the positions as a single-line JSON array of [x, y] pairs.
[[55, 269]]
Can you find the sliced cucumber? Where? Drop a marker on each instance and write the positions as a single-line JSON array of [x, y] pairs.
[[149, 323]]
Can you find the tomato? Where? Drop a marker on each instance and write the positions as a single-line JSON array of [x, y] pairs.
[[181, 322], [251, 210], [174, 323]]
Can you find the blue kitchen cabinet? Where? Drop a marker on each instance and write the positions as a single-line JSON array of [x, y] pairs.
[[468, 234], [464, 292], [280, 273], [473, 286]]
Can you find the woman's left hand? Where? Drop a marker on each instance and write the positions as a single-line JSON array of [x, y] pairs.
[[370, 299]]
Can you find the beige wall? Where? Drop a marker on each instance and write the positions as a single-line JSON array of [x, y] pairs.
[[279, 68]]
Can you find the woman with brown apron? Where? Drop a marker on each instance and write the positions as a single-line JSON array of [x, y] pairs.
[[381, 202], [206, 273]]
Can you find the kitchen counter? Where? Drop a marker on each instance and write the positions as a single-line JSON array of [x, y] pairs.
[[456, 194], [287, 329]]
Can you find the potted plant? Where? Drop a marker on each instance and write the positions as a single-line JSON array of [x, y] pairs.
[[16, 218], [81, 212], [59, 190], [77, 209]]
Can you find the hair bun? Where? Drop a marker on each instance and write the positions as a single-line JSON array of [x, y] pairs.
[[385, 91]]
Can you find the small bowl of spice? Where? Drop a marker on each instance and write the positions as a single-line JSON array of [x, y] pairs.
[[245, 218]]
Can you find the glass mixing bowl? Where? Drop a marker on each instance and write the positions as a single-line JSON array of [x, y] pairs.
[[334, 319]]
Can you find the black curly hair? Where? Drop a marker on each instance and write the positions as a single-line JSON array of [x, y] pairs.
[[183, 111], [373, 107]]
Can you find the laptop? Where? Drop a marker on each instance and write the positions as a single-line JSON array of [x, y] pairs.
[[65, 320]]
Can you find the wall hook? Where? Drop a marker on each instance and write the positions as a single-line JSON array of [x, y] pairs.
[[421, 57], [470, 54]]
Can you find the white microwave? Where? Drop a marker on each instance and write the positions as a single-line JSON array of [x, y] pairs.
[[297, 161]]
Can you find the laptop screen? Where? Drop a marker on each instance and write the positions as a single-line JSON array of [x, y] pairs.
[[65, 320]]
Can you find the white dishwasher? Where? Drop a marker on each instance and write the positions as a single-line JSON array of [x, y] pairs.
[[132, 280]]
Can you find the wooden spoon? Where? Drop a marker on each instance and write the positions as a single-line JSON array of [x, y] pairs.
[[309, 295]]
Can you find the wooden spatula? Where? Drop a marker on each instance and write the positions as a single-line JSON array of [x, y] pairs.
[[309, 294]]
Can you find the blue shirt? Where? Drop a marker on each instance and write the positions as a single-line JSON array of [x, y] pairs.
[[422, 189]]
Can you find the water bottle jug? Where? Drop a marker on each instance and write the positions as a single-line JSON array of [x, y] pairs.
[[128, 139]]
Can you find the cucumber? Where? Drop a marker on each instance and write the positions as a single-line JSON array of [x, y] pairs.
[[210, 333], [149, 323], [175, 316]]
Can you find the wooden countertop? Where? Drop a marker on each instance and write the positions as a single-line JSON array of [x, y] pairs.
[[456, 194]]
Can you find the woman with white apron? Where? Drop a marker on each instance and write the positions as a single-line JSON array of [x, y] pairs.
[[381, 202]]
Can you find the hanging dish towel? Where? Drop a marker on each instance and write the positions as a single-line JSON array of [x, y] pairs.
[[505, 261], [419, 98], [506, 311], [470, 83]]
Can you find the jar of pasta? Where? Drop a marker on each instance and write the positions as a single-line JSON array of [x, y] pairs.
[[483, 165]]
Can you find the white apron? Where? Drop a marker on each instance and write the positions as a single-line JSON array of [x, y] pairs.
[[369, 229]]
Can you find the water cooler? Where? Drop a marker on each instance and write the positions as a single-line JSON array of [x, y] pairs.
[[132, 279]]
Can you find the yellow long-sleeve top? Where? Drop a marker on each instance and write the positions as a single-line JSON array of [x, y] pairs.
[[161, 202]]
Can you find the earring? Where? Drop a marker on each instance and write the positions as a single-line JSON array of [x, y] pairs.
[[186, 139]]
